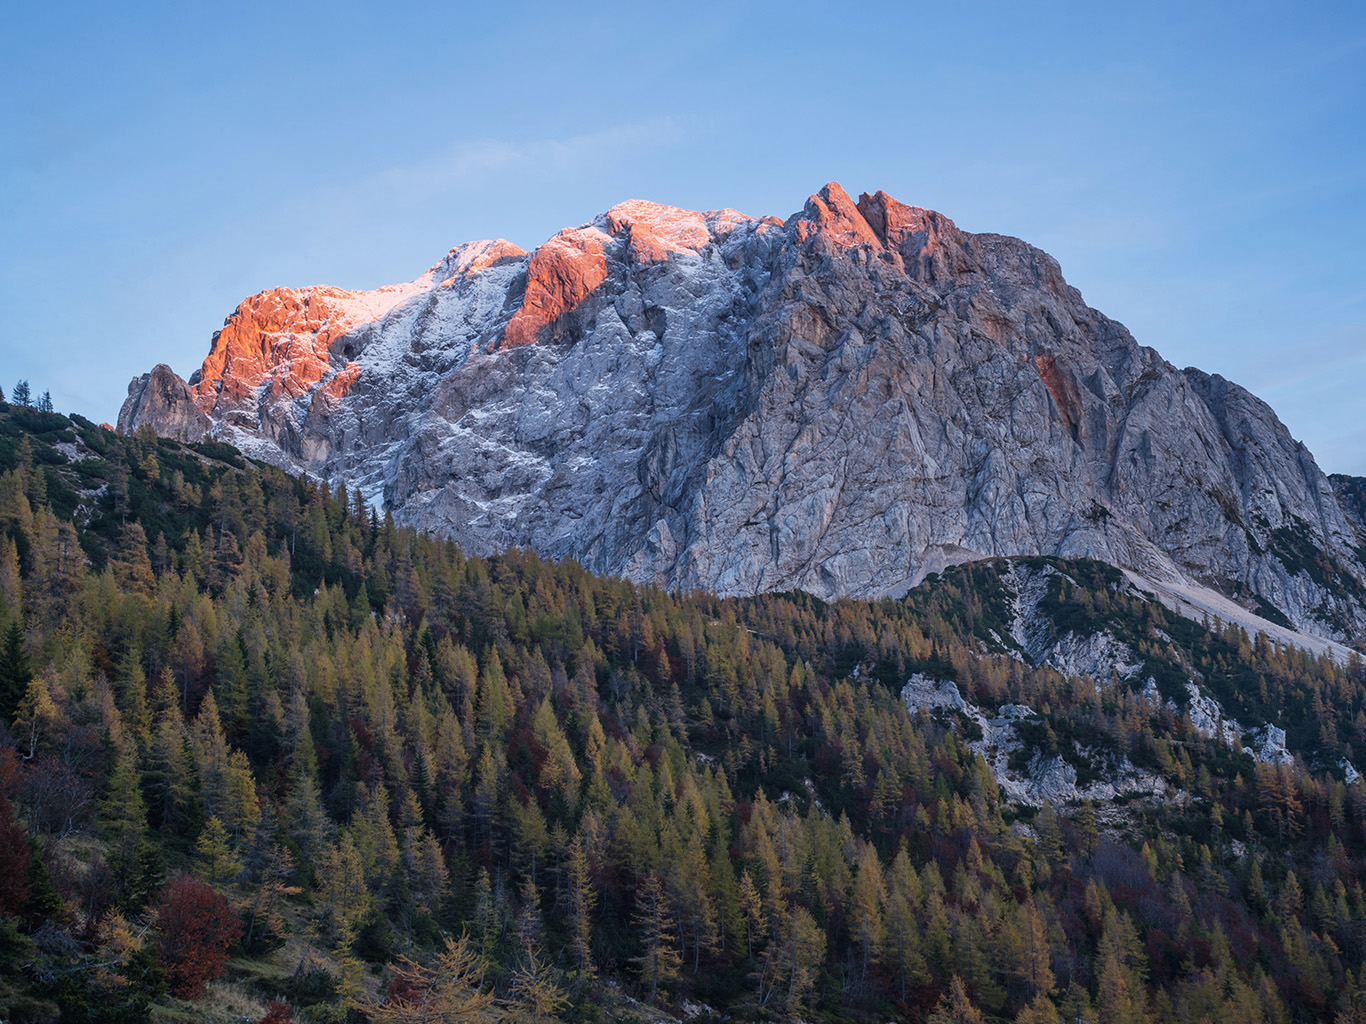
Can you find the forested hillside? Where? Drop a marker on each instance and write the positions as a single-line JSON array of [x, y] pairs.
[[265, 755]]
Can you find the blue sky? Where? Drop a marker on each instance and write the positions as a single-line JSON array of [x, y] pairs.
[[1199, 170]]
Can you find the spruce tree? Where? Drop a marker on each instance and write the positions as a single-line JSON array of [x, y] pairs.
[[15, 671], [125, 818], [218, 864]]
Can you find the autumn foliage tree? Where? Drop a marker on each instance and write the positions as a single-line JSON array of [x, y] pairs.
[[195, 927], [450, 989], [537, 996]]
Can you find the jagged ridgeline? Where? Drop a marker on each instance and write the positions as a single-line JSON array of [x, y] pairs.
[[264, 747], [840, 403]]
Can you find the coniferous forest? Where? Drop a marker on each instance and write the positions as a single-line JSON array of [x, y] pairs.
[[265, 755]]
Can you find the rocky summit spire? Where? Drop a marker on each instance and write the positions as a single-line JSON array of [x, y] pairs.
[[840, 403], [163, 401]]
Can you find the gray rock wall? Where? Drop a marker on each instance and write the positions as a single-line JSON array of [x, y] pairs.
[[838, 403], [162, 400]]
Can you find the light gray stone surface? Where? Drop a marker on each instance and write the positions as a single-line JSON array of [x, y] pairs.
[[839, 403], [1045, 779], [164, 401]]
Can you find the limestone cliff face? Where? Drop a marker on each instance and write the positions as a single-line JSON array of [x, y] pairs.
[[839, 403], [161, 399]]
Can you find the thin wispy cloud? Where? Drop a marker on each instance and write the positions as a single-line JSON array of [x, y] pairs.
[[385, 225], [481, 160], [496, 167]]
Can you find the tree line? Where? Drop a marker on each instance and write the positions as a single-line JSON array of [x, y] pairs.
[[248, 714]]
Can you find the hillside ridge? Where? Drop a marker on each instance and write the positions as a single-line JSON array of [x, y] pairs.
[[259, 744]]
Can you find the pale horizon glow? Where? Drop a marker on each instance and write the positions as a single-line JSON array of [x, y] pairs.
[[1198, 172]]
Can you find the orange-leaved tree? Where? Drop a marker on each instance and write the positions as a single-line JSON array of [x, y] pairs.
[[195, 927]]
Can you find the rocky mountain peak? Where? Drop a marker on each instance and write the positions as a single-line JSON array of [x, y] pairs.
[[657, 231], [841, 402], [836, 219], [919, 242], [161, 399], [472, 258]]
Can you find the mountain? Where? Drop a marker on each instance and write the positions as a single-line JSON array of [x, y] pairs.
[[840, 403]]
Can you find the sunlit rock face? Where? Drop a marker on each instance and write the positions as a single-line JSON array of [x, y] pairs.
[[840, 403]]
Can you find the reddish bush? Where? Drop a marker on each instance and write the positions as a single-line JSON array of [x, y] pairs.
[[278, 1014], [195, 927]]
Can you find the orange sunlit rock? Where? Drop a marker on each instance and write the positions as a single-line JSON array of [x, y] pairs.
[[341, 383], [895, 223], [656, 231], [274, 329], [1063, 389], [561, 274], [831, 214], [281, 340], [917, 235]]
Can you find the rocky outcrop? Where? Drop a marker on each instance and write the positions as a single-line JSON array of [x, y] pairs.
[[1042, 778], [162, 401], [840, 403]]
